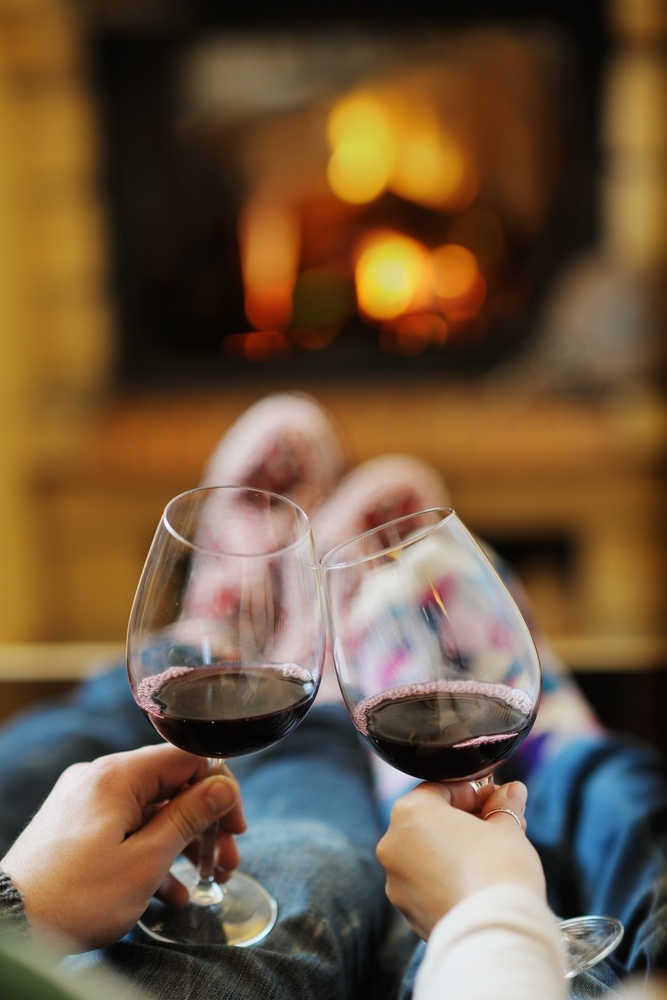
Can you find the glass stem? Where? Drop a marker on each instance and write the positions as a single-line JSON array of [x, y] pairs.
[[481, 782], [208, 892]]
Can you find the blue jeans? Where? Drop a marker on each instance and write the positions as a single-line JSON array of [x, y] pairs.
[[597, 814]]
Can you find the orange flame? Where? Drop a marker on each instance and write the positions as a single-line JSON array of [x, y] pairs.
[[360, 134], [391, 275], [398, 277], [384, 141], [457, 280], [270, 243]]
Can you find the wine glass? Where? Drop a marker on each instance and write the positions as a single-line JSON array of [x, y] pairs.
[[436, 664], [225, 649]]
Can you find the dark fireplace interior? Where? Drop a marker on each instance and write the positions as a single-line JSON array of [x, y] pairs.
[[340, 195]]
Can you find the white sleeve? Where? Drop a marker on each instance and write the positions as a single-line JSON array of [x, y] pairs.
[[502, 942]]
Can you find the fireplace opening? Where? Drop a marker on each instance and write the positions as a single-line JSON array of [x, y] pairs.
[[340, 197]]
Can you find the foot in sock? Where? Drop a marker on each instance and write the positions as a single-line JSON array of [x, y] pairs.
[[287, 443], [377, 491]]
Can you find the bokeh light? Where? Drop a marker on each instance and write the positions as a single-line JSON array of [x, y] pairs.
[[432, 168], [269, 241], [391, 275], [257, 346], [457, 280], [388, 140], [360, 135], [357, 170]]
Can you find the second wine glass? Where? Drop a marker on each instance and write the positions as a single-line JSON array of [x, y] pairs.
[[436, 664], [225, 649]]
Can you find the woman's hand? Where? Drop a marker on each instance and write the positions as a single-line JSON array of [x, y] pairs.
[[102, 843], [438, 849]]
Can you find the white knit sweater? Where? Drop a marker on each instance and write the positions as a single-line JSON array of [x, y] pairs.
[[502, 943]]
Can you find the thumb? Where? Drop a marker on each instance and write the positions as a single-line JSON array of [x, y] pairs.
[[191, 813]]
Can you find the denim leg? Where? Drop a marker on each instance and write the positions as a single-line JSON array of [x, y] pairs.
[[329, 924], [597, 814], [311, 840], [36, 745]]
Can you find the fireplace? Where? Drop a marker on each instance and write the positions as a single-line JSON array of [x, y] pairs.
[[340, 197]]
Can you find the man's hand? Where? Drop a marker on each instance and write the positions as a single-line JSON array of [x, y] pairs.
[[102, 843]]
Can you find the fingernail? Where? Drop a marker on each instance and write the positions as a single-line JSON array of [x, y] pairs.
[[220, 793], [517, 793]]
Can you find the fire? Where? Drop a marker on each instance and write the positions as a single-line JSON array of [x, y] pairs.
[[385, 142], [416, 295], [432, 168], [398, 277], [390, 273], [270, 244], [361, 136], [455, 273]]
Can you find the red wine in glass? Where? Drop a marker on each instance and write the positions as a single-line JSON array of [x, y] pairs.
[[446, 730], [228, 709]]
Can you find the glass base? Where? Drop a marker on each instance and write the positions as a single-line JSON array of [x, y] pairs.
[[588, 940], [246, 915]]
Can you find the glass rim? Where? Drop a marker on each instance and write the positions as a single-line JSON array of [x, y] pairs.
[[305, 535], [327, 564]]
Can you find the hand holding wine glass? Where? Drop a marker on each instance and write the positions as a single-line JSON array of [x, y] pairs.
[[436, 853], [436, 664], [224, 651]]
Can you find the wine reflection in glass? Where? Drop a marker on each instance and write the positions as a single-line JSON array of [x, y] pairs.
[[225, 648], [436, 664]]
